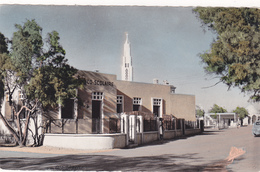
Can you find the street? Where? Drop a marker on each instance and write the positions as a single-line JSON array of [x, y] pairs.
[[205, 152]]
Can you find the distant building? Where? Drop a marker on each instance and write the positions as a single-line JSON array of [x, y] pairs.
[[221, 120], [127, 68], [254, 114]]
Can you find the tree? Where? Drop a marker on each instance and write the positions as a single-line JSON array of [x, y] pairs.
[[199, 112], [42, 75], [242, 113], [217, 109], [234, 56]]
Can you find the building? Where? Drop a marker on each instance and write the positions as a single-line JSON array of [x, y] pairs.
[[108, 105], [221, 120], [254, 114], [105, 97]]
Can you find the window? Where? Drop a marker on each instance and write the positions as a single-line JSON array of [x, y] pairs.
[[137, 101], [97, 96], [21, 96], [157, 102], [157, 107], [173, 89], [67, 111], [137, 104], [119, 101]]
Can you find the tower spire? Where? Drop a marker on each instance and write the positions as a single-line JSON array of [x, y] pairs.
[[127, 69]]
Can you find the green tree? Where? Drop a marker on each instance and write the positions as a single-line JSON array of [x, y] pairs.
[[235, 54], [199, 112], [242, 113], [217, 109], [43, 75]]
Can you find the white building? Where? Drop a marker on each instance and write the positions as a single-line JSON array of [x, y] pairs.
[[221, 120], [254, 114]]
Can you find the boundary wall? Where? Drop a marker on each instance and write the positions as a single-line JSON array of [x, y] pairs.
[[110, 141]]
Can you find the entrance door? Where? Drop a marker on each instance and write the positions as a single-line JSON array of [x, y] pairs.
[[96, 116], [156, 111]]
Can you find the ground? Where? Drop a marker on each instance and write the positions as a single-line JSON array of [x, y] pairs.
[[204, 152], [50, 150]]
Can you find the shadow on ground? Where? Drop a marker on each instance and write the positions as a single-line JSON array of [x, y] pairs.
[[161, 142], [105, 163]]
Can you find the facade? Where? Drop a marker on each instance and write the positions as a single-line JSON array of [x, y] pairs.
[[105, 97]]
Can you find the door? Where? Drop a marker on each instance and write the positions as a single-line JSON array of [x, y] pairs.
[[156, 111], [96, 116]]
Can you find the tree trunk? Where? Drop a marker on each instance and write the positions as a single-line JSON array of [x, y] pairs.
[[25, 132], [19, 128]]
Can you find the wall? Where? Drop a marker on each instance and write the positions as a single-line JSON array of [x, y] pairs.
[[189, 132], [85, 141], [97, 82], [182, 106], [179, 105]]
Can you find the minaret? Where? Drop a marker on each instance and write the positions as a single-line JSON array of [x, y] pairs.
[[127, 68]]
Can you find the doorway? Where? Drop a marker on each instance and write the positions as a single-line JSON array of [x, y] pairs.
[[156, 111], [96, 116]]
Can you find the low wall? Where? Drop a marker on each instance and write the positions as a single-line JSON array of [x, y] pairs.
[[169, 134], [179, 133], [150, 136], [85, 141], [192, 131], [147, 137]]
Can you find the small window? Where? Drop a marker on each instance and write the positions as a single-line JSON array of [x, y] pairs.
[[173, 89], [119, 101], [97, 96], [21, 96], [137, 101], [157, 102], [137, 104]]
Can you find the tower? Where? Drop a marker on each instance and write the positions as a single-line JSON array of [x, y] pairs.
[[127, 68]]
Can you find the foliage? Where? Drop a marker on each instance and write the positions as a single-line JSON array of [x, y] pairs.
[[3, 58], [199, 112], [242, 112], [217, 109], [235, 54], [44, 76]]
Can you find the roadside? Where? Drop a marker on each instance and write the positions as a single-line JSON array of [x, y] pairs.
[[50, 150], [66, 151]]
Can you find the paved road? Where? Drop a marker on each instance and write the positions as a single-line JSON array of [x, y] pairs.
[[197, 153]]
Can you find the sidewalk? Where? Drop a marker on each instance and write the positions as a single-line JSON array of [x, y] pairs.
[[50, 150]]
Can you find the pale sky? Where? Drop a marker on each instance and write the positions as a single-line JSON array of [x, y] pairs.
[[165, 43]]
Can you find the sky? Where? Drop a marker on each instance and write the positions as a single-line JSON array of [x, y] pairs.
[[165, 44]]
